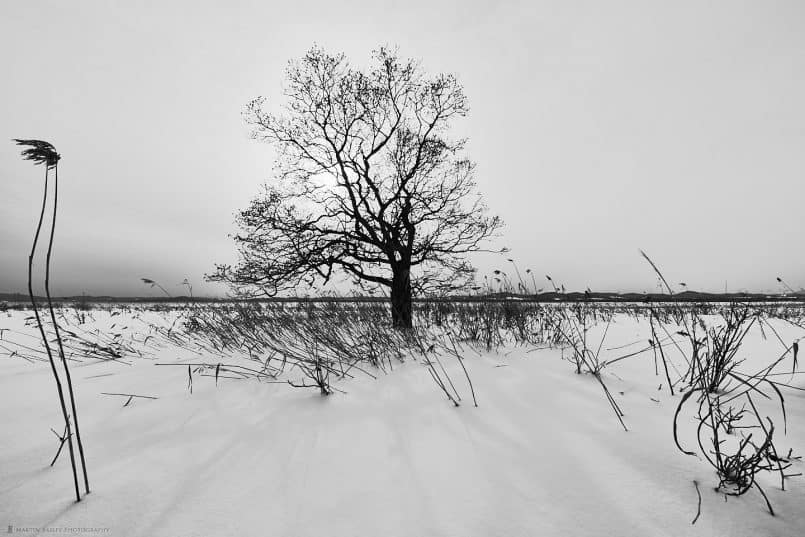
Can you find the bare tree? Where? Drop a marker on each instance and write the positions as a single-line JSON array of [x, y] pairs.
[[367, 183]]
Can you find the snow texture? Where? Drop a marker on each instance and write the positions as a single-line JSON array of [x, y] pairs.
[[543, 454]]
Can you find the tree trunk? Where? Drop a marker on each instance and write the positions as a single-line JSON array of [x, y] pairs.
[[401, 309]]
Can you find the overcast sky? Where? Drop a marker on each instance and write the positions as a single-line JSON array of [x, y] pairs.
[[598, 128]]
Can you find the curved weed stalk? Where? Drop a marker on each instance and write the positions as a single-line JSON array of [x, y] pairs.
[[736, 440], [41, 152], [56, 328]]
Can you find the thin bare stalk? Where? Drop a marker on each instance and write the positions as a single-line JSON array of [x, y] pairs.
[[59, 388], [56, 329]]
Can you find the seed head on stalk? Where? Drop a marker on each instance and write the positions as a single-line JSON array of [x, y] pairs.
[[39, 151]]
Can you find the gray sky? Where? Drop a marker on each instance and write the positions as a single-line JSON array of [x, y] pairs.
[[598, 128]]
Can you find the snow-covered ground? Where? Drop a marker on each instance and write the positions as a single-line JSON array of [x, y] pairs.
[[542, 454]]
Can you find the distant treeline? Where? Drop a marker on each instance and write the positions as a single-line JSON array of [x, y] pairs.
[[686, 296]]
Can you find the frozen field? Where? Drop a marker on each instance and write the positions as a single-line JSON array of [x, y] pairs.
[[542, 454]]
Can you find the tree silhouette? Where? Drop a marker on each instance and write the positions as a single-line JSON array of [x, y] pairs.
[[367, 184]]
